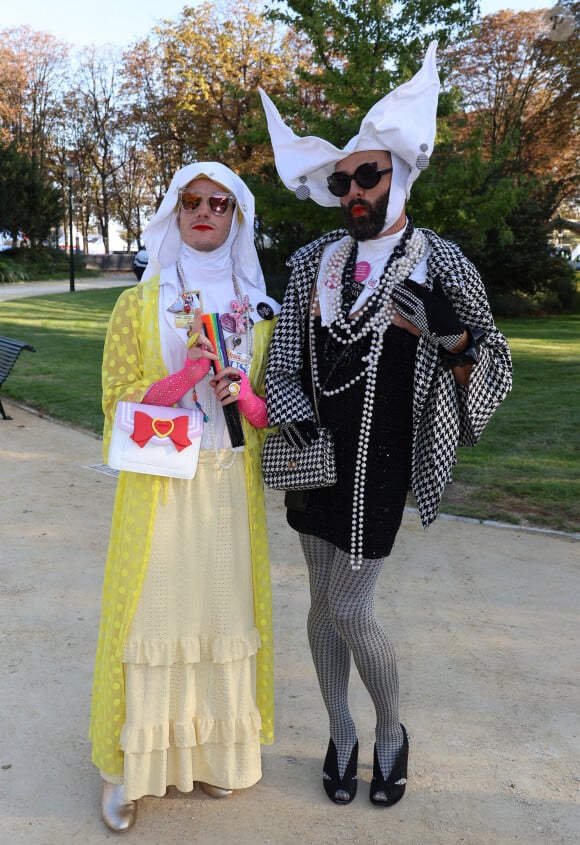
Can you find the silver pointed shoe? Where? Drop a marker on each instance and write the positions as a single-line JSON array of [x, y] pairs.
[[215, 791], [118, 814]]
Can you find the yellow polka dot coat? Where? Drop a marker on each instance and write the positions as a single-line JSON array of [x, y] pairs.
[[132, 362]]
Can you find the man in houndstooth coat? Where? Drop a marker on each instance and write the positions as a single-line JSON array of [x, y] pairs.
[[386, 338]]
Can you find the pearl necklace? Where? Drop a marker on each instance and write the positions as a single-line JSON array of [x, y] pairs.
[[375, 317], [346, 331], [335, 264]]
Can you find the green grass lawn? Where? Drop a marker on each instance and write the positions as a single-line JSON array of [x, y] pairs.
[[63, 377], [526, 468]]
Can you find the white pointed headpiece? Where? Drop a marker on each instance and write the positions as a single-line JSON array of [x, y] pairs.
[[403, 123]]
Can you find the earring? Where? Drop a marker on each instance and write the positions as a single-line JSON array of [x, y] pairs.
[[422, 162], [302, 192]]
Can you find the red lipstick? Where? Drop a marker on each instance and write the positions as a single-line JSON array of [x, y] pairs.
[[358, 210]]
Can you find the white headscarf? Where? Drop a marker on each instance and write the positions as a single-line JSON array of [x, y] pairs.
[[163, 240], [403, 123]]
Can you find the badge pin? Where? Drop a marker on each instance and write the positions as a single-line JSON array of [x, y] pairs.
[[265, 311]]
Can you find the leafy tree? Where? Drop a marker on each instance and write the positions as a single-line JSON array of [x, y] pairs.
[[98, 111], [505, 161], [151, 94], [501, 225], [27, 203], [507, 158], [33, 74], [361, 49], [191, 87], [131, 194], [521, 88]]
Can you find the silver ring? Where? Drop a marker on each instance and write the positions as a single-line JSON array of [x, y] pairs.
[[234, 388]]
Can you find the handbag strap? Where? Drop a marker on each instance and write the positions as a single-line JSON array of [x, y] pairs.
[[311, 350]]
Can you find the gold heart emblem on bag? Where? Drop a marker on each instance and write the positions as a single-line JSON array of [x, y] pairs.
[[162, 428]]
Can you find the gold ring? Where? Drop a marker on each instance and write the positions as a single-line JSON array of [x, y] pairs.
[[234, 388]]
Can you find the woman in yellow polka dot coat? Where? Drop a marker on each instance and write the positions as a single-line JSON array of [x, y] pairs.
[[183, 684]]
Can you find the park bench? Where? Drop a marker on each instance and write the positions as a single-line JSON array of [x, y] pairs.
[[10, 349]]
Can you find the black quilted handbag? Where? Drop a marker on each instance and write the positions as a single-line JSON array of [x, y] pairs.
[[285, 467]]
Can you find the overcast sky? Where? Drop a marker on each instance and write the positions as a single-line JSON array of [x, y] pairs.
[[123, 21]]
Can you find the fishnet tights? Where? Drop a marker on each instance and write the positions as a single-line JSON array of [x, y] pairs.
[[342, 621]]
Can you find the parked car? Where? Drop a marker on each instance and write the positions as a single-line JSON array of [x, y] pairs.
[[140, 262]]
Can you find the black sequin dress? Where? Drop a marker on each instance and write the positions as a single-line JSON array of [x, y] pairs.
[[327, 512]]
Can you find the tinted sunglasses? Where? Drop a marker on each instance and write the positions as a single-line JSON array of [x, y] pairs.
[[366, 176], [218, 202]]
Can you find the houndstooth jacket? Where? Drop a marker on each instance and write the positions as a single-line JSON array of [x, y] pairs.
[[445, 415]]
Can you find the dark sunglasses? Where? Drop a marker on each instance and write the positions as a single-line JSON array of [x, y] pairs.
[[366, 176], [218, 202]]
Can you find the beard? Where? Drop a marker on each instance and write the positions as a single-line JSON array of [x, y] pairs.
[[368, 225]]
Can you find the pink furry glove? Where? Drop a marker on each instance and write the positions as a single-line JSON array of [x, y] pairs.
[[167, 391], [252, 407]]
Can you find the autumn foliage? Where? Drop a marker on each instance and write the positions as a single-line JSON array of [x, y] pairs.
[[505, 163]]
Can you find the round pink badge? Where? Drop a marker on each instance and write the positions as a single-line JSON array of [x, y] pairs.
[[361, 271]]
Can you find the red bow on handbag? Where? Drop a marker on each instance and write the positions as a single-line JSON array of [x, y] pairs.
[[146, 427]]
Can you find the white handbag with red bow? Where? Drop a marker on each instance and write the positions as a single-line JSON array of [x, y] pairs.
[[156, 440]]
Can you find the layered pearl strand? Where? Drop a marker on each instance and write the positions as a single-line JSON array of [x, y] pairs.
[[335, 264], [374, 318]]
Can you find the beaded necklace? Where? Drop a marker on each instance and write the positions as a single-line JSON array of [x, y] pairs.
[[187, 299], [240, 322], [375, 317]]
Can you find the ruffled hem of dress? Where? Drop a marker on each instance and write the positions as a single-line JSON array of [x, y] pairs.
[[191, 650], [198, 731]]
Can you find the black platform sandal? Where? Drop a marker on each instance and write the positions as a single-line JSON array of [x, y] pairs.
[[341, 791], [385, 793]]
